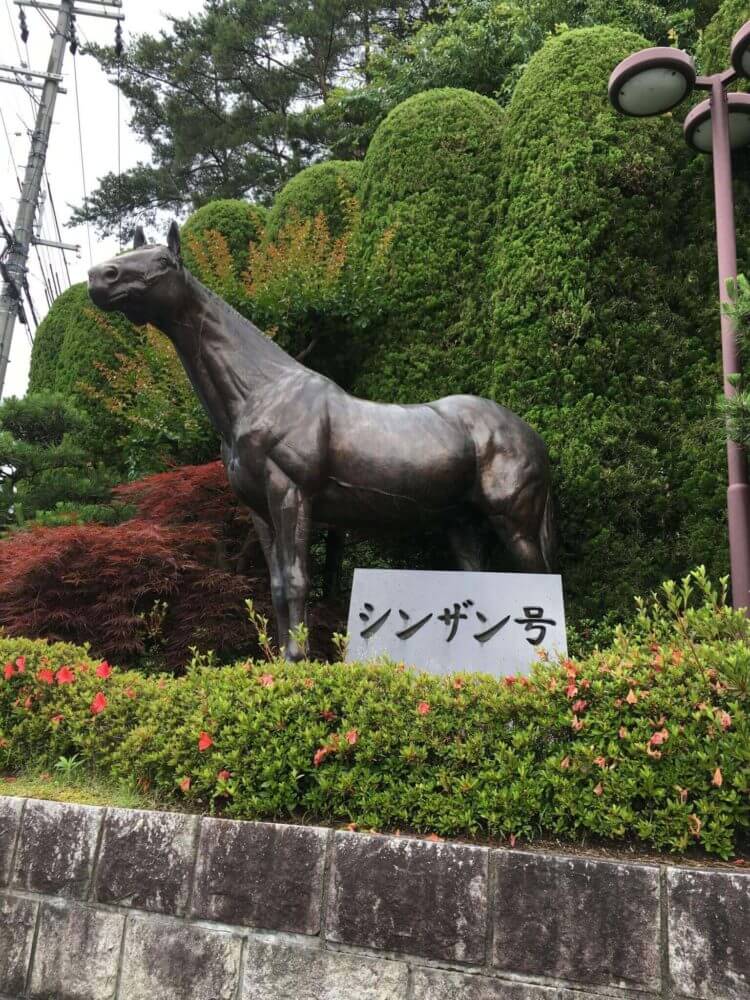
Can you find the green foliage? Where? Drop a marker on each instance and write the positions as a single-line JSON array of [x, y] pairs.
[[239, 223], [72, 341], [736, 409], [713, 51], [323, 187], [42, 461], [603, 329], [648, 739], [140, 410], [428, 191]]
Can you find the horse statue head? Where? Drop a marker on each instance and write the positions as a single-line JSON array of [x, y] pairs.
[[147, 284]]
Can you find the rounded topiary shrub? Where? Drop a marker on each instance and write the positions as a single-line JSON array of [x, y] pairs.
[[216, 242], [604, 327], [428, 197], [72, 341], [323, 187]]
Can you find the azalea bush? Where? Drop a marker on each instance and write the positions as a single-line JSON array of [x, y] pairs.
[[648, 740]]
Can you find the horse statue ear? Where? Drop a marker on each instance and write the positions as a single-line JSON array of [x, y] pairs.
[[173, 239], [139, 238]]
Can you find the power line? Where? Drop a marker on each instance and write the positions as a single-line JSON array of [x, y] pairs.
[[83, 164]]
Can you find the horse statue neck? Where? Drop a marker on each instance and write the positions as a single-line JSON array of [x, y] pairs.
[[227, 358]]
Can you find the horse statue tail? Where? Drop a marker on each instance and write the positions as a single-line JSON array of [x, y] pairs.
[[547, 535]]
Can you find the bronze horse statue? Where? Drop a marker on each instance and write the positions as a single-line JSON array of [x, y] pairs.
[[298, 450]]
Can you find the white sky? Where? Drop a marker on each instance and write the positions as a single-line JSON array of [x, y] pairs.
[[98, 106]]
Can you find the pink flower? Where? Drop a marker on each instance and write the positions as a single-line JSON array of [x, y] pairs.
[[21, 664], [184, 785], [423, 707], [599, 790], [46, 676], [351, 737], [223, 775], [204, 742], [659, 737], [320, 755], [580, 705], [266, 680], [65, 676], [104, 670]]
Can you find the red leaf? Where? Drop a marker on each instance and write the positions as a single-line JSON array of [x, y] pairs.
[[204, 742], [98, 704], [104, 670]]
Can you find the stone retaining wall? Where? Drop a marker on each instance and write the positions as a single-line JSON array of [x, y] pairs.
[[111, 903]]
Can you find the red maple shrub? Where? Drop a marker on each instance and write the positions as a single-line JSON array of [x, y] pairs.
[[147, 590]]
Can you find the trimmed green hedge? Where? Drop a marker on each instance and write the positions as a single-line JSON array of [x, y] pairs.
[[604, 324], [323, 187], [713, 50], [428, 198], [240, 224], [649, 739]]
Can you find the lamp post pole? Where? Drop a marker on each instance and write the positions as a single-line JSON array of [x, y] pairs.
[[652, 82], [738, 491]]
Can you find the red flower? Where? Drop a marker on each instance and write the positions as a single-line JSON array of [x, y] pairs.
[[351, 737], [56, 719], [725, 720], [21, 664], [104, 670], [184, 785], [580, 705], [571, 691], [320, 755], [600, 761], [65, 675], [46, 676], [423, 707], [98, 704], [9, 671], [509, 681], [660, 737], [204, 742], [129, 692], [223, 775], [576, 724], [266, 680]]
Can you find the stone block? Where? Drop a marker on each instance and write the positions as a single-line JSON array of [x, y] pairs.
[[409, 896], [260, 875], [434, 984], [280, 972], [77, 953], [146, 860], [10, 815], [56, 848], [576, 919], [17, 922], [171, 960], [709, 933]]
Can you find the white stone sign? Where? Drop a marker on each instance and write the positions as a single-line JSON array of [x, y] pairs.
[[493, 623]]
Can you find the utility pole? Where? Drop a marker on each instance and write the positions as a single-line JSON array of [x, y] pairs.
[[14, 271]]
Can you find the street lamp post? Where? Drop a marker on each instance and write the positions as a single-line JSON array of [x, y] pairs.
[[652, 82]]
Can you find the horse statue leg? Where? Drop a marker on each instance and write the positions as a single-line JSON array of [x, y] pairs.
[[278, 593], [291, 513]]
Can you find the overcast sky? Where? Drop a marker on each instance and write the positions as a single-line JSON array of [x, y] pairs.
[[98, 108]]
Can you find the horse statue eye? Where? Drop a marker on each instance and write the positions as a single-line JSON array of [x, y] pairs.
[[164, 260]]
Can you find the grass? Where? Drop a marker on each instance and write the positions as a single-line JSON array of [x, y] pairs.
[[73, 784]]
